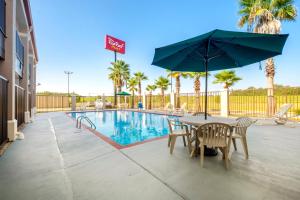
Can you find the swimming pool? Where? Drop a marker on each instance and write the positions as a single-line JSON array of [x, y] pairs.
[[128, 127]]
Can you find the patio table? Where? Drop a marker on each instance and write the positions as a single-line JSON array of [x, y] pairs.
[[198, 121]]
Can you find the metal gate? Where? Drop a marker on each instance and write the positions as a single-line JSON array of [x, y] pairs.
[[3, 110]]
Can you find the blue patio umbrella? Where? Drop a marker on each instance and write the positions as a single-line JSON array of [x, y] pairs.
[[217, 50]]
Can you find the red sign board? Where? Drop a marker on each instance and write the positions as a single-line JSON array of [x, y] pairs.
[[114, 44]]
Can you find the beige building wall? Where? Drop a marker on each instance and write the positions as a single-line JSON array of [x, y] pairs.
[[18, 19], [7, 67]]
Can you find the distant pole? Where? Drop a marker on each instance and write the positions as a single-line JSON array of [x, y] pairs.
[[115, 92], [68, 73]]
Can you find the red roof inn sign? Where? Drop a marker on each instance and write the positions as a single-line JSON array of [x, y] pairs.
[[114, 44]]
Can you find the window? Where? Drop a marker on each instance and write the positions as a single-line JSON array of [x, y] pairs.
[[2, 28], [29, 71], [2, 16], [19, 55]]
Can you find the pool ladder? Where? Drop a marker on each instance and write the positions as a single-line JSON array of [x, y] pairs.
[[83, 117]]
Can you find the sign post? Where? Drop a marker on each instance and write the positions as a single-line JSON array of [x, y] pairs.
[[117, 46]]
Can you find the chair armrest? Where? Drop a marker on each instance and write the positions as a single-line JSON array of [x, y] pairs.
[[234, 127], [252, 122], [176, 123]]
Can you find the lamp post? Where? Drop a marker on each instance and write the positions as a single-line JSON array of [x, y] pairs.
[[68, 73]]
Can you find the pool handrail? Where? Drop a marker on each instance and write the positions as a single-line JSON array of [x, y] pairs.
[[79, 122]]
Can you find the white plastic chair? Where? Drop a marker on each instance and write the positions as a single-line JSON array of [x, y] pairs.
[[98, 104], [240, 132], [174, 133], [281, 116], [215, 135], [180, 110]]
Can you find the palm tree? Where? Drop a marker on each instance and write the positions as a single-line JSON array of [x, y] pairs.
[[162, 83], [139, 76], [150, 89], [113, 76], [132, 83], [265, 16], [197, 86], [226, 77], [119, 74], [177, 76]]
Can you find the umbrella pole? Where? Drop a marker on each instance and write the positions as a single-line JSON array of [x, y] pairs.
[[206, 75]]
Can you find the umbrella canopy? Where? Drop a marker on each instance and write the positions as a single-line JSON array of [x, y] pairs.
[[123, 93], [218, 50]]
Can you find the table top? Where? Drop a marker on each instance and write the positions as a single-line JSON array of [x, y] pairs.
[[199, 120]]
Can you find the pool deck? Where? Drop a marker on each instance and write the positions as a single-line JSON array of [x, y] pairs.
[[58, 161]]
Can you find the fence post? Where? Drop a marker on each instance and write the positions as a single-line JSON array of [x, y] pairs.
[[144, 102], [73, 103], [103, 101], [225, 103], [172, 99], [271, 102]]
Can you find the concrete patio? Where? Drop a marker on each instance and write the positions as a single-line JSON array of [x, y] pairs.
[[58, 161]]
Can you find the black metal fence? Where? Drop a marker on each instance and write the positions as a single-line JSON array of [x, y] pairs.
[[157, 101], [251, 103], [213, 100], [254, 102], [3, 110], [19, 105], [247, 103]]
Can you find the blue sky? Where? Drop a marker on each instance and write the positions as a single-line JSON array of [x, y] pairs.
[[70, 36]]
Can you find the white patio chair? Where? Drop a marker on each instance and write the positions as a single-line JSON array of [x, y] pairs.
[[181, 110], [165, 110], [176, 132], [83, 106], [215, 135], [98, 104], [281, 116], [240, 132], [121, 106]]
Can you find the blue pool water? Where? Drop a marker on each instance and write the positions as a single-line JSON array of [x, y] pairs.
[[127, 127]]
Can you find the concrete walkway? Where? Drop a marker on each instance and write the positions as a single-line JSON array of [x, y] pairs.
[[57, 161]]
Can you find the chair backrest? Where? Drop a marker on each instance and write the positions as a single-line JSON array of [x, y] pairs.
[[167, 106], [215, 134], [175, 124], [83, 106], [242, 124], [171, 122], [98, 102], [283, 110], [183, 106], [200, 114]]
